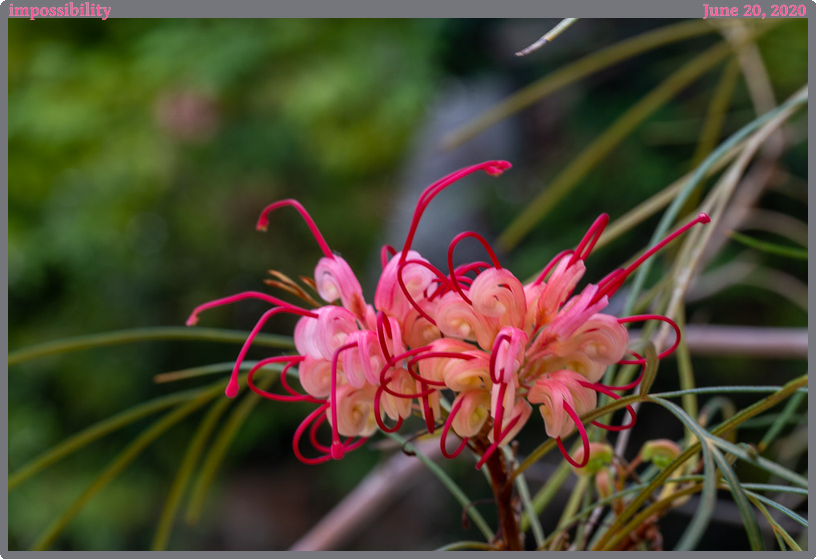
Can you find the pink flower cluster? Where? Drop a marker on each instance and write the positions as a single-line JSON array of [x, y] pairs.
[[475, 334]]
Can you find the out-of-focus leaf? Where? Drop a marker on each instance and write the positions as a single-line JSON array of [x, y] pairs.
[[770, 248]]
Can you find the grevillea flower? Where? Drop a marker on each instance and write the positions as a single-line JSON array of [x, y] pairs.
[[476, 336]]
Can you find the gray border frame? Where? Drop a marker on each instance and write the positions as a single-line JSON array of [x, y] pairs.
[[363, 8]]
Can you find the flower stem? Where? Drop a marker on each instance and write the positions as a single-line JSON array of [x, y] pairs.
[[510, 534]]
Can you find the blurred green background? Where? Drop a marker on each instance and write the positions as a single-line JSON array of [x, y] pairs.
[[141, 151]]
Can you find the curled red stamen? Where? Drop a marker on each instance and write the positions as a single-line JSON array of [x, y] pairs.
[[451, 248], [611, 287], [584, 439], [232, 386], [299, 432], [443, 440], [239, 297], [337, 448], [439, 354], [313, 434], [591, 237], [500, 337], [497, 421], [263, 222], [383, 328], [429, 416], [284, 382], [492, 448], [442, 277], [294, 395], [393, 361], [606, 390], [471, 267], [635, 382], [642, 317], [386, 253], [378, 416], [491, 167], [542, 276]]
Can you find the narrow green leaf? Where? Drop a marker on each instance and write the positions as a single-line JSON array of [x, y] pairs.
[[650, 374], [144, 335], [722, 389], [779, 507], [741, 500], [47, 538], [770, 248], [699, 523], [219, 448], [547, 492], [751, 411], [100, 429], [782, 537], [781, 421], [185, 472], [526, 501], [759, 461], [774, 487]]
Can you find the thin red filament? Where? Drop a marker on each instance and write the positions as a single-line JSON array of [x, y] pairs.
[[232, 386], [299, 432], [491, 167], [584, 439], [642, 317], [378, 415], [193, 319], [337, 448], [263, 222], [293, 396], [443, 440], [386, 253], [439, 354], [543, 275], [501, 337], [442, 277], [452, 246], [611, 287], [591, 237], [607, 390], [492, 448]]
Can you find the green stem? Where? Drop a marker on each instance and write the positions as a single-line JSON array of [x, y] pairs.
[[143, 335]]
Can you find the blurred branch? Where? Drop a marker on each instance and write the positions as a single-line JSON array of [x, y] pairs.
[[697, 243], [562, 26], [748, 341], [573, 72], [745, 271], [602, 145], [715, 116], [381, 487]]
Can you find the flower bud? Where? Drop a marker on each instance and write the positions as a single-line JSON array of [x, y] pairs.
[[600, 456], [661, 452], [603, 483]]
